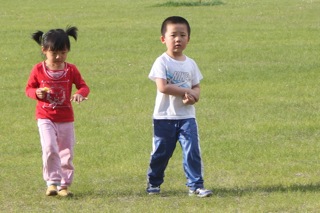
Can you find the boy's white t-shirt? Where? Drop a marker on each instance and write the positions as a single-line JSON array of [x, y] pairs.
[[181, 73]]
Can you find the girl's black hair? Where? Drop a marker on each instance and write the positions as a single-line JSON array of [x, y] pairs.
[[55, 39]]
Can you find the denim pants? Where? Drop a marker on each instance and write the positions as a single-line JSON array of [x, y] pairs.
[[166, 134]]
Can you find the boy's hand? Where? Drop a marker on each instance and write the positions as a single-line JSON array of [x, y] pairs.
[[188, 99], [41, 92], [77, 98], [194, 95]]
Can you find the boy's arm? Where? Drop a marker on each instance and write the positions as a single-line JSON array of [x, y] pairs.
[[196, 90], [171, 89]]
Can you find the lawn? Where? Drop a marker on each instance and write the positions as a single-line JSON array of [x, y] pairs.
[[258, 114]]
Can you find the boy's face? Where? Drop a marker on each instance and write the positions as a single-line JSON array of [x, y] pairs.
[[176, 39]]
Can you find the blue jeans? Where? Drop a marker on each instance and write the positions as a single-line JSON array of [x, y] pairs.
[[166, 134]]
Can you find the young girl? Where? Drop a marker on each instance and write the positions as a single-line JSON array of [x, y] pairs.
[[50, 83]]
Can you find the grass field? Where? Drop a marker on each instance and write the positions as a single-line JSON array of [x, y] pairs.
[[258, 115]]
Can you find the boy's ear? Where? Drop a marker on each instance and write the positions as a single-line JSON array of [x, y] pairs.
[[162, 39]]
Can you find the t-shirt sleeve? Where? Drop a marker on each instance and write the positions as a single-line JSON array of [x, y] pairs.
[[197, 74], [158, 70]]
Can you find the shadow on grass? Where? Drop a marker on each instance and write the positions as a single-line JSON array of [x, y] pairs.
[[189, 3], [224, 192], [127, 194], [220, 192]]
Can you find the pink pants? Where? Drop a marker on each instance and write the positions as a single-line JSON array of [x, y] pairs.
[[57, 142]]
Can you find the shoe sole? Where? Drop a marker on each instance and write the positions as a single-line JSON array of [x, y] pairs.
[[205, 195], [153, 193], [52, 193], [65, 195], [198, 195]]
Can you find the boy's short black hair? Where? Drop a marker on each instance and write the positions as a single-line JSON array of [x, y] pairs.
[[174, 20]]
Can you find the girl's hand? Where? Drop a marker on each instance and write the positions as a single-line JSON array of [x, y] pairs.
[[188, 99], [77, 98], [42, 92]]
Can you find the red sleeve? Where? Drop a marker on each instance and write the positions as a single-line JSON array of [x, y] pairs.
[[80, 84], [32, 83]]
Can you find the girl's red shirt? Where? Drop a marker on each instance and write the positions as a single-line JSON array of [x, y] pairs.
[[56, 106]]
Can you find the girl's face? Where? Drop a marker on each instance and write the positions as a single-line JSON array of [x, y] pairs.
[[55, 58], [176, 39]]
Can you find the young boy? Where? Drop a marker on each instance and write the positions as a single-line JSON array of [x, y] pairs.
[[177, 78]]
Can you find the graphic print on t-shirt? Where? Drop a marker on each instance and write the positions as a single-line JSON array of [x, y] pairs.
[[179, 78], [57, 95]]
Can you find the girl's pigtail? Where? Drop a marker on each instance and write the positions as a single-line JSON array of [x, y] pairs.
[[37, 36], [72, 31]]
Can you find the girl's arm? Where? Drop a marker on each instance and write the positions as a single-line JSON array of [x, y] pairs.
[[82, 88], [32, 86]]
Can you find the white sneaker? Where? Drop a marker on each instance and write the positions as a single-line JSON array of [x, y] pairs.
[[153, 190], [200, 192]]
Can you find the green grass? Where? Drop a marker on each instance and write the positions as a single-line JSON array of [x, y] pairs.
[[258, 114], [189, 3]]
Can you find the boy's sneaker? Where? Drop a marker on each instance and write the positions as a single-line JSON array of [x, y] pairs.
[[52, 190], [200, 192], [65, 193], [153, 190]]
